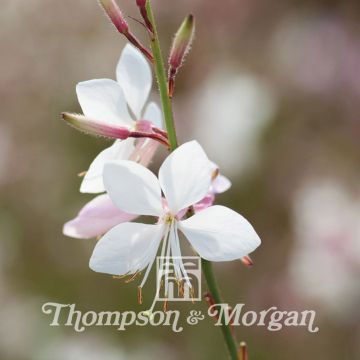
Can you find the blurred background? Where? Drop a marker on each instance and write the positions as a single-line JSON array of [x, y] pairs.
[[271, 89]]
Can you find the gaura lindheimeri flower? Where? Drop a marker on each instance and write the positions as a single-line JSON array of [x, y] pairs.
[[118, 106], [100, 214], [217, 233]]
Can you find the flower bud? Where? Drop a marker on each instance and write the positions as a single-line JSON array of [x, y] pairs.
[[114, 13], [93, 127], [243, 352], [180, 48]]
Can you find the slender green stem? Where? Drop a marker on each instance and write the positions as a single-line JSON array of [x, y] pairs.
[[213, 288], [170, 127], [162, 81]]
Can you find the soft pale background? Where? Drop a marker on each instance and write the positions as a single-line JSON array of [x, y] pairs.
[[271, 89]]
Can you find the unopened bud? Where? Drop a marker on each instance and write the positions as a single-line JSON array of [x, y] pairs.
[[182, 42], [93, 127], [180, 48], [243, 352], [114, 13]]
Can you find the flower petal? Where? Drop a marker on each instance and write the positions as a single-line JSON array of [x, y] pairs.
[[133, 188], [154, 114], [220, 234], [144, 152], [206, 202], [96, 218], [185, 176], [220, 184], [126, 248], [133, 73], [103, 100], [93, 180]]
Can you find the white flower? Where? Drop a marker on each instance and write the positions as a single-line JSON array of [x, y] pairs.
[[118, 103], [216, 233]]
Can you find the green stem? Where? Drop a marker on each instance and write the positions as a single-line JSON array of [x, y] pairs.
[[213, 288], [162, 81], [170, 127]]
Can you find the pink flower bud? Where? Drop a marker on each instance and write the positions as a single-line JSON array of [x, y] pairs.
[[114, 13], [140, 3], [180, 48], [182, 42], [93, 127]]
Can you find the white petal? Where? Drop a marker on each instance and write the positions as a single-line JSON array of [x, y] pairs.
[[103, 100], [134, 76], [185, 176], [220, 234], [133, 188], [96, 218], [126, 248], [220, 184], [93, 180], [154, 114]]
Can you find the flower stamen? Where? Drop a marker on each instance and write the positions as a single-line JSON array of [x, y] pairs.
[[140, 298]]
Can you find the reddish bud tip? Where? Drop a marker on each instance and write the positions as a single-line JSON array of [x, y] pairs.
[[114, 13], [247, 261]]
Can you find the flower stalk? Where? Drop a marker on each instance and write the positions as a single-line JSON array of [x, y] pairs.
[[161, 77], [216, 299], [170, 127]]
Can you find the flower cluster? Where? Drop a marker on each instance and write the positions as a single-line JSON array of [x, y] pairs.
[[180, 200]]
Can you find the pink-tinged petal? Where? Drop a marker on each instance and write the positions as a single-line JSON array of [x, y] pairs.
[[144, 126], [185, 176], [95, 127], [220, 234], [220, 184], [154, 115], [206, 202], [133, 188], [144, 152], [104, 100], [93, 180], [133, 73], [126, 249], [96, 218]]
